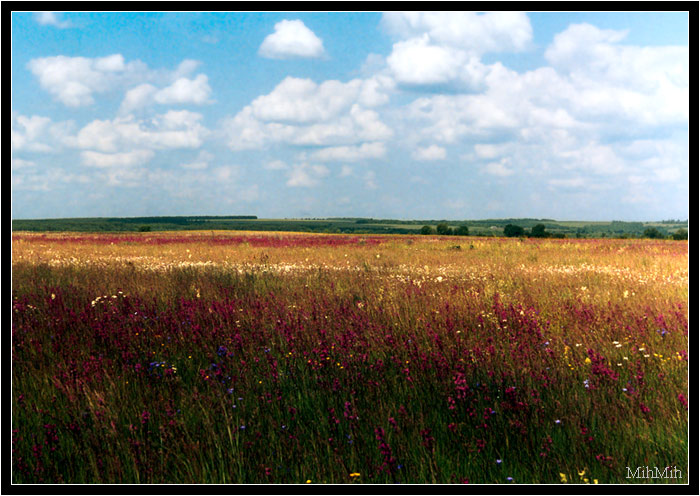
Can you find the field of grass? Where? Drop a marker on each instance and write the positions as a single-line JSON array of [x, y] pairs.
[[241, 357]]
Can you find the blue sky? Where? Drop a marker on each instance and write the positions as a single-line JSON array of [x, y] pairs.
[[427, 115]]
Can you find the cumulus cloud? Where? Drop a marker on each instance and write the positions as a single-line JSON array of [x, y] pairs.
[[432, 152], [138, 98], [45, 179], [52, 19], [201, 162], [18, 163], [74, 81], [38, 133], [499, 168], [26, 130], [444, 48], [123, 159], [580, 116], [174, 129], [418, 62], [291, 39], [194, 91], [473, 32], [305, 175], [350, 153], [301, 112], [648, 85], [296, 100], [185, 90]]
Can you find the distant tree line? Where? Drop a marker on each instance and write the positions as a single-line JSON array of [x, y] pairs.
[[539, 231], [445, 230], [525, 227]]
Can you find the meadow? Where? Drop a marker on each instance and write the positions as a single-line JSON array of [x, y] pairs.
[[244, 357]]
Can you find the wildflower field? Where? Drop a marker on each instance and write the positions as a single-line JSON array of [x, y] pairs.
[[240, 357]]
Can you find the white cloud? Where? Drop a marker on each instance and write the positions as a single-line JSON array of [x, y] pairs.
[[432, 152], [499, 168], [26, 131], [74, 81], [18, 163], [201, 162], [123, 159], [38, 133], [226, 173], [350, 153], [182, 91], [645, 85], [138, 98], [174, 129], [376, 90], [452, 117], [416, 61], [52, 19], [444, 48], [301, 112], [297, 100], [184, 69], [593, 158], [305, 175], [584, 115], [490, 151], [473, 32], [291, 39], [185, 90], [45, 179]]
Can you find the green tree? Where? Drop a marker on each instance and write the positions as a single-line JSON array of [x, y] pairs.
[[653, 233], [680, 234], [538, 231], [512, 231], [426, 230], [444, 229], [462, 231]]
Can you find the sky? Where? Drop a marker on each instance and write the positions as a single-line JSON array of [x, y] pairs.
[[403, 115]]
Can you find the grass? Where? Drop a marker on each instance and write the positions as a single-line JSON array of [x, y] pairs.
[[282, 358]]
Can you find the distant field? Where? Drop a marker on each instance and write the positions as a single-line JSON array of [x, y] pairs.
[[488, 227], [249, 357]]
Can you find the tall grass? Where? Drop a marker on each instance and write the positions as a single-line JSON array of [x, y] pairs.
[[287, 359]]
